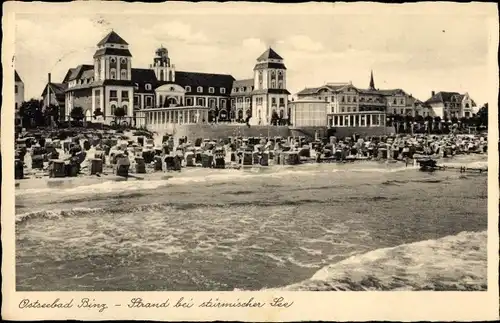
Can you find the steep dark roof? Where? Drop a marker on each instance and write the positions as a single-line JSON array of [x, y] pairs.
[[205, 80], [246, 84], [112, 51], [68, 74], [442, 97], [77, 72], [112, 38], [269, 54], [331, 87], [269, 65], [17, 78], [141, 77], [308, 91], [271, 91], [58, 89], [243, 83]]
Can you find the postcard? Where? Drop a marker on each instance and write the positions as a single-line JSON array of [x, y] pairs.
[[258, 162]]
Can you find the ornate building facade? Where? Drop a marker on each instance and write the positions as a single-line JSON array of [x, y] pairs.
[[349, 106], [161, 95]]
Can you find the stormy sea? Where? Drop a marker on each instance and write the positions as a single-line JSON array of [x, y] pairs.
[[354, 226]]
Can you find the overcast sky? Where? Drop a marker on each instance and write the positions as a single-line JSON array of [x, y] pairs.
[[419, 51]]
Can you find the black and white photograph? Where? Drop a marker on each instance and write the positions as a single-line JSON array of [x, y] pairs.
[[209, 147]]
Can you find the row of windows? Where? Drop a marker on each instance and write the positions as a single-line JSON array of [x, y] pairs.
[[113, 94], [242, 89], [354, 99], [123, 60], [199, 89]]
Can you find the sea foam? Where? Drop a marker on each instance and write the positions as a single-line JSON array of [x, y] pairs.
[[456, 262]]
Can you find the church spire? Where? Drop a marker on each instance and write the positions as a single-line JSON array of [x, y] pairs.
[[372, 83]]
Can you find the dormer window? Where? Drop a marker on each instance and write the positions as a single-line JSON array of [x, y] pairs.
[[222, 90], [211, 90], [136, 86], [148, 86], [188, 88], [199, 89], [235, 90], [242, 89]]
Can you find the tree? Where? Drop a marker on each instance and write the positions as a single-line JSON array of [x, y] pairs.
[[31, 113], [119, 112], [97, 112], [274, 118], [51, 114], [482, 115], [77, 113]]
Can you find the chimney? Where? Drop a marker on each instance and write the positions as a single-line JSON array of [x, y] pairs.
[[432, 93]]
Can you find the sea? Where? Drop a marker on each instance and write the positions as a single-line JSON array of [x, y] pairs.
[[353, 226]]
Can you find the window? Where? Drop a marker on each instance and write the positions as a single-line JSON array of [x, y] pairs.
[[16, 89], [136, 86], [211, 90], [222, 90], [223, 103], [348, 99], [402, 101], [394, 101], [148, 86], [273, 100], [112, 74], [199, 89], [149, 101], [201, 101], [112, 60], [113, 108], [124, 61], [123, 74], [136, 100], [125, 108], [188, 88], [343, 110], [125, 95], [282, 101], [189, 101], [354, 99], [113, 94], [343, 99]]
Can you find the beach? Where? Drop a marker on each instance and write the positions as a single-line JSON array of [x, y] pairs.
[[254, 229]]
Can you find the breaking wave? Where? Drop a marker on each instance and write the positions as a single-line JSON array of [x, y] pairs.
[[456, 262], [120, 186]]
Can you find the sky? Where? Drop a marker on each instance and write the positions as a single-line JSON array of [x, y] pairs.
[[418, 50]]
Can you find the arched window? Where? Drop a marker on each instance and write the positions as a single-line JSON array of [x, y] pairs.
[[188, 88], [211, 90], [199, 89], [161, 77], [113, 108], [222, 90], [124, 61], [125, 108], [123, 74], [112, 74], [148, 86]]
